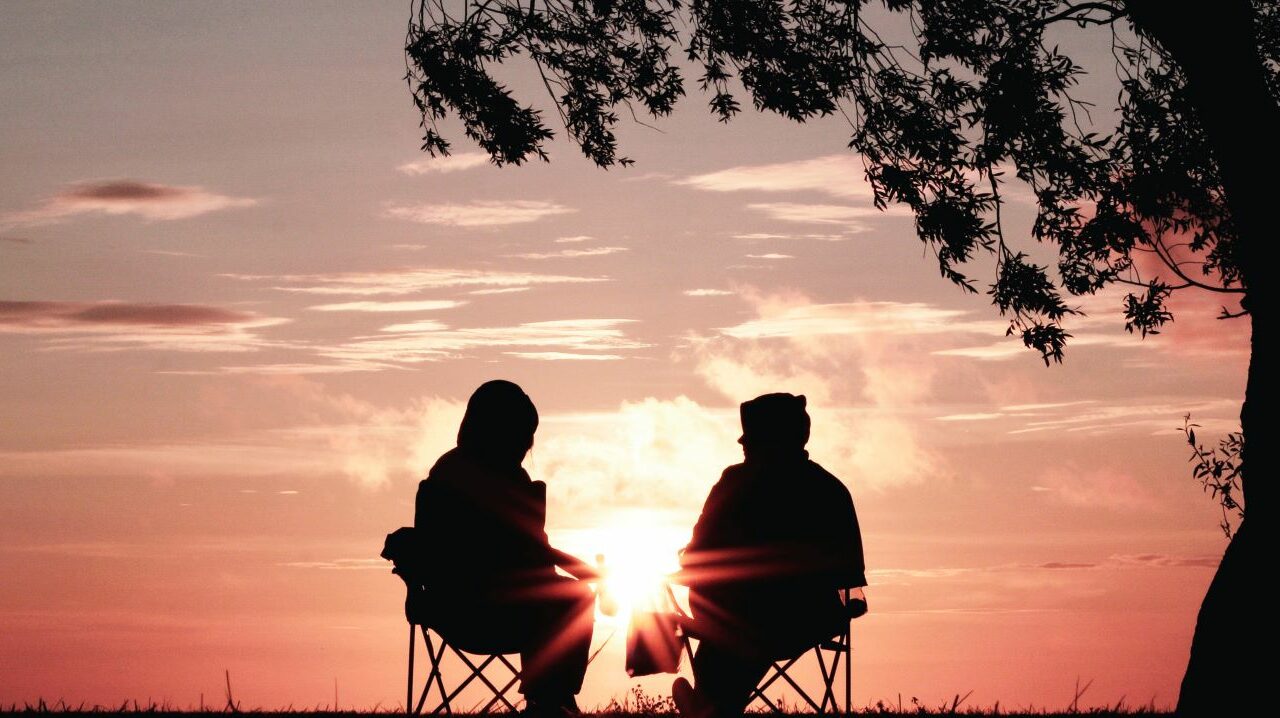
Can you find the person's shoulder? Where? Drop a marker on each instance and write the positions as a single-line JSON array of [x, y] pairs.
[[730, 479], [827, 479], [449, 463]]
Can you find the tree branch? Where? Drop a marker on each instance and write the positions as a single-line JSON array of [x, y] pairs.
[[1163, 253], [1084, 7]]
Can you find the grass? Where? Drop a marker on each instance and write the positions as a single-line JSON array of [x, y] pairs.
[[637, 703]]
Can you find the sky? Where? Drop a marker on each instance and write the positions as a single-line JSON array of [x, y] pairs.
[[241, 312]]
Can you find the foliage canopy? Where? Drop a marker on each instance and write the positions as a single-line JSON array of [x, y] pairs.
[[940, 122]]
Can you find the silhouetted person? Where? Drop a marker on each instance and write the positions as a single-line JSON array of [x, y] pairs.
[[777, 538], [495, 587]]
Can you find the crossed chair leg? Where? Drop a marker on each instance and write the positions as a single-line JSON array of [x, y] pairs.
[[435, 679]]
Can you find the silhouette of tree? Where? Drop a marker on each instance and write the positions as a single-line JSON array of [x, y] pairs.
[[977, 94]]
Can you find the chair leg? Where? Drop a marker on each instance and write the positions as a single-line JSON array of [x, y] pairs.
[[408, 696], [828, 679], [848, 671], [435, 676], [476, 672], [796, 686], [759, 694], [777, 673], [500, 696]]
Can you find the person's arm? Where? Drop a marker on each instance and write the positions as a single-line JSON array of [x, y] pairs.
[[574, 566], [852, 565], [699, 559]]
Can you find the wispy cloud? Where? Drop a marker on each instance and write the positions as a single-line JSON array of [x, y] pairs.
[[835, 175], [565, 356], [1160, 560], [408, 281], [571, 253], [1149, 414], [1095, 488], [821, 214], [425, 341], [479, 213], [771, 255], [978, 416], [1004, 350], [340, 564], [107, 325], [783, 318], [427, 305], [574, 239], [126, 196], [1152, 415], [443, 165], [764, 236], [707, 293], [868, 385], [173, 253], [291, 368], [501, 290]]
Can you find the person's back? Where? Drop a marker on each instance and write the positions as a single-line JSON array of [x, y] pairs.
[[490, 573], [777, 538], [487, 523]]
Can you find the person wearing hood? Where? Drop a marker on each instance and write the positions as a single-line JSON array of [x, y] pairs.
[[496, 589], [777, 539]]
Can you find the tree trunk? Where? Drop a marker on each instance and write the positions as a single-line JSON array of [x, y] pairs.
[[1215, 46]]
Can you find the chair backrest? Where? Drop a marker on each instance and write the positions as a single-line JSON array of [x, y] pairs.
[[402, 549]]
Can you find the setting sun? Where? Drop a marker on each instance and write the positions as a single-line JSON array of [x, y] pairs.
[[640, 547]]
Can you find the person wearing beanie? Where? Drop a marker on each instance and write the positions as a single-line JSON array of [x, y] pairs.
[[777, 539]]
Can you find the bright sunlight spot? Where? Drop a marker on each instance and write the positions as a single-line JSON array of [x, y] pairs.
[[639, 547]]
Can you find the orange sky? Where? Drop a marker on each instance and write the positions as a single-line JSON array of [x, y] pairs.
[[242, 312]]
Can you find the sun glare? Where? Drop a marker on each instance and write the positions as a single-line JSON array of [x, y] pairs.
[[639, 549]]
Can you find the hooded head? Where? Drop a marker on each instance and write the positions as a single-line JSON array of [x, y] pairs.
[[774, 424], [499, 424]]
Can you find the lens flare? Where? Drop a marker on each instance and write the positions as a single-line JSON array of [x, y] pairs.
[[638, 548]]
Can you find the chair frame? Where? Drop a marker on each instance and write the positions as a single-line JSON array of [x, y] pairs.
[[400, 549], [839, 646], [476, 663]]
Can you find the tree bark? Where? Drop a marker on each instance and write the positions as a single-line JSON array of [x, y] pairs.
[[1214, 45]]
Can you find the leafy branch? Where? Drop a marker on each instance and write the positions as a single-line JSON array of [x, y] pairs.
[[1218, 469]]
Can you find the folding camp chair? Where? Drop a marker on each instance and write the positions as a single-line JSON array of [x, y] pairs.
[[401, 548], [837, 679]]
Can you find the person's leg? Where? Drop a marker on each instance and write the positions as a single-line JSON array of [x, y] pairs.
[[724, 678], [554, 659]]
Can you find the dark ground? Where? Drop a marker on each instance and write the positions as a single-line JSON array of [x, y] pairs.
[[887, 712]]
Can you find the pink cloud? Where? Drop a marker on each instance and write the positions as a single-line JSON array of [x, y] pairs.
[[1100, 488], [571, 253], [127, 196], [411, 280], [444, 165], [479, 213], [20, 316], [838, 175], [819, 213], [117, 325]]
